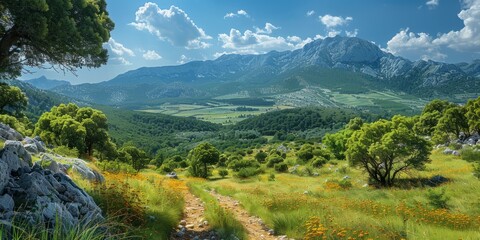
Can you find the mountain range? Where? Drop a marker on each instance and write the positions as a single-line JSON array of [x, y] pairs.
[[346, 65]]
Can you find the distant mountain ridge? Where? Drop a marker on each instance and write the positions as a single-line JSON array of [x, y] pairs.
[[46, 84], [323, 63]]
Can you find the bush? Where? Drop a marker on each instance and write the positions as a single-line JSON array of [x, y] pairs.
[[271, 177], [247, 172], [281, 167], [237, 165], [261, 156], [323, 152], [471, 155], [345, 184], [273, 159], [223, 172], [318, 162], [438, 199], [308, 171], [67, 152]]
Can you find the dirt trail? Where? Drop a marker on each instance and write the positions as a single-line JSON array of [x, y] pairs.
[[256, 228], [194, 224]]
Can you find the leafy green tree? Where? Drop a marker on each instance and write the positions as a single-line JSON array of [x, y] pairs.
[[305, 153], [385, 149], [453, 121], [137, 158], [473, 114], [336, 142], [261, 156], [202, 155], [431, 114], [68, 34], [82, 128], [12, 100]]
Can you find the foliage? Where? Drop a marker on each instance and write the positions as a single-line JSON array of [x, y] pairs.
[[281, 167], [336, 142], [134, 156], [305, 153], [116, 167], [273, 159], [237, 165], [247, 172], [473, 114], [223, 172], [65, 151], [21, 125], [385, 149], [202, 155], [470, 154], [12, 100], [69, 125], [453, 121], [261, 156], [431, 113], [318, 162], [69, 34], [438, 199]]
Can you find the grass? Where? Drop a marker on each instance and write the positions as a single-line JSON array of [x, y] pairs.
[[222, 220], [402, 212]]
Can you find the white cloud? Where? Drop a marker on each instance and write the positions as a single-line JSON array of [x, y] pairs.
[[257, 42], [267, 29], [432, 3], [240, 12], [119, 49], [172, 25], [310, 13], [120, 60], [422, 45], [183, 59], [334, 21], [151, 55], [354, 33]]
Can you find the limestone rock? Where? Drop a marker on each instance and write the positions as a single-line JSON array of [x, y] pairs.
[[8, 133]]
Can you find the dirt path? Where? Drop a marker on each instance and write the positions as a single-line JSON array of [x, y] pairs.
[[194, 224], [256, 228]]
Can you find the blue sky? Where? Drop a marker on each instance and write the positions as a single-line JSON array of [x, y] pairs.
[[160, 33]]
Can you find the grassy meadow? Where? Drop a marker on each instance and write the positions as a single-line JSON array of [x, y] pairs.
[[323, 208]]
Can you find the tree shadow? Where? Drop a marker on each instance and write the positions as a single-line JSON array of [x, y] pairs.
[[421, 182]]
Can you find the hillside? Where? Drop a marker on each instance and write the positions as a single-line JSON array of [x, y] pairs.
[[328, 67], [45, 83]]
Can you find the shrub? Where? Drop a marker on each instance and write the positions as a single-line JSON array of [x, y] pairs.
[[438, 199], [223, 172], [237, 165], [470, 155], [273, 159], [318, 162], [261, 156], [281, 167], [247, 172], [66, 151], [323, 152], [308, 171], [271, 177], [345, 184]]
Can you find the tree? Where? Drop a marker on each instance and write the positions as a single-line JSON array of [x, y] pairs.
[[473, 114], [336, 142], [82, 128], [12, 100], [202, 155], [453, 121], [430, 116], [68, 34], [137, 158], [385, 149], [261, 156]]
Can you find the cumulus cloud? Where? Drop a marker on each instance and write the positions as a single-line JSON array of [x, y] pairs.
[[120, 60], [432, 3], [239, 13], [423, 46], [310, 13], [118, 48], [334, 21], [250, 42], [267, 29], [151, 55], [353, 33], [172, 25]]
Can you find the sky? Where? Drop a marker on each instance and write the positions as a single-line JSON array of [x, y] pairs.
[[173, 32]]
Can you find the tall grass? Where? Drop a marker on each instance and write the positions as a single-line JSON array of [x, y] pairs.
[[222, 220]]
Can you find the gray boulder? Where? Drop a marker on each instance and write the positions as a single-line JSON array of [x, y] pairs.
[[8, 133], [31, 148], [15, 155], [6, 203], [448, 151], [80, 166], [39, 145]]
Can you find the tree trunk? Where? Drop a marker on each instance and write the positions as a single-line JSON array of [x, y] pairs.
[[6, 42]]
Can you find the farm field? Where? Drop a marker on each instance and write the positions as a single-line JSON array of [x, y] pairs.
[[213, 112]]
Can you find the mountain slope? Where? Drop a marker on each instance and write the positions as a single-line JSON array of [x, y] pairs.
[[283, 72], [46, 84]]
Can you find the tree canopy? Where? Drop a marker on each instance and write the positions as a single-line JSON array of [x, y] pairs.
[[202, 155], [387, 148], [74, 127], [12, 100], [68, 34]]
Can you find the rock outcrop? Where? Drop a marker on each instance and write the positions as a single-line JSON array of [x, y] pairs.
[[37, 196], [8, 133]]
